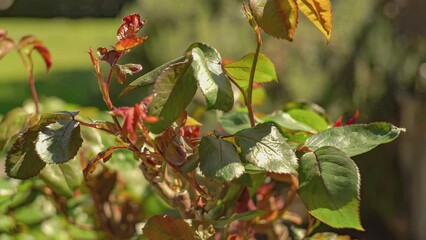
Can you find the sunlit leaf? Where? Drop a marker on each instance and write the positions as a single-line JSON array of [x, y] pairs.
[[150, 77], [286, 121], [319, 13], [6, 43], [329, 186], [309, 118], [355, 139], [265, 147], [59, 142], [219, 159], [165, 227], [22, 161], [45, 54], [277, 18], [240, 70], [212, 81], [173, 91], [127, 33]]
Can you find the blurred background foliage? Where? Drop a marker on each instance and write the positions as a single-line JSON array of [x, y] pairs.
[[375, 62]]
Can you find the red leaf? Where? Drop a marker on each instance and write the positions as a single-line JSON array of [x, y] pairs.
[[127, 33], [353, 118], [121, 71], [339, 121], [109, 56], [45, 54], [133, 116]]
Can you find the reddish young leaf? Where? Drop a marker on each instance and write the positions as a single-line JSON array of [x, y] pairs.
[[127, 33], [6, 45], [28, 40], [133, 116], [121, 71], [45, 54], [104, 156], [109, 56], [353, 118]]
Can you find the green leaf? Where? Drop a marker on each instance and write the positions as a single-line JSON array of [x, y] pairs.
[[240, 70], [22, 161], [212, 57], [150, 77], [277, 18], [355, 139], [59, 142], [286, 121], [329, 186], [265, 147], [214, 85], [309, 118], [64, 178], [12, 123], [173, 91], [165, 227], [234, 122], [219, 159]]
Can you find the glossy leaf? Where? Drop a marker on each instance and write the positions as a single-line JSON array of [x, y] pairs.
[[319, 13], [265, 147], [150, 77], [59, 142], [165, 227], [309, 118], [173, 91], [329, 185], [22, 161], [213, 83], [234, 122], [63, 178], [355, 139], [109, 56], [240, 70], [219, 159], [277, 18], [286, 121]]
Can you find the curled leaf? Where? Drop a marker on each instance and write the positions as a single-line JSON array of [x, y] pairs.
[[121, 71], [127, 33], [45, 54], [319, 13], [6, 44], [277, 18], [109, 56]]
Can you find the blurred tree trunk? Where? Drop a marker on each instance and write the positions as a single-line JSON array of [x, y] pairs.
[[413, 160]]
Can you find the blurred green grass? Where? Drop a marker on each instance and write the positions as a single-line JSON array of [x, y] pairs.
[[71, 76]]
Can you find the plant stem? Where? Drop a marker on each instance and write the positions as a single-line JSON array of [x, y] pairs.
[[29, 69], [251, 80]]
